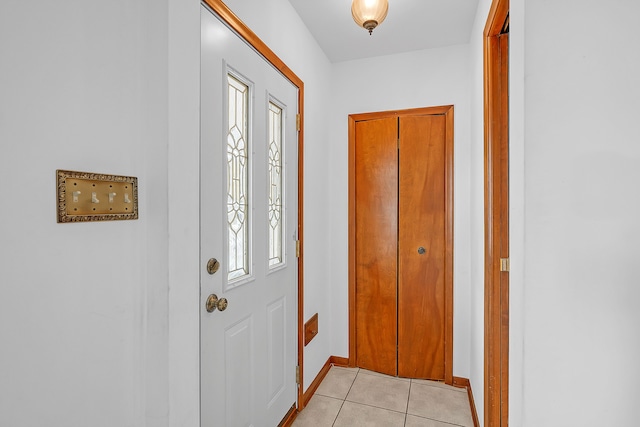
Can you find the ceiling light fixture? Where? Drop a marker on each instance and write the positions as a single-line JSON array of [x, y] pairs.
[[369, 13]]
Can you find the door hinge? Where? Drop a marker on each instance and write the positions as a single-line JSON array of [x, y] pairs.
[[298, 374], [298, 248], [298, 122], [504, 264]]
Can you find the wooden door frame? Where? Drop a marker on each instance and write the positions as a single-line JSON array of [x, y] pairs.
[[223, 11], [447, 111], [496, 202]]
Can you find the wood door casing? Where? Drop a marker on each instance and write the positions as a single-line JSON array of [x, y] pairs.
[[446, 267], [421, 211], [504, 234], [496, 80], [376, 221]]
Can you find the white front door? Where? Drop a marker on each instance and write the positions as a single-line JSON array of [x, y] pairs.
[[248, 223]]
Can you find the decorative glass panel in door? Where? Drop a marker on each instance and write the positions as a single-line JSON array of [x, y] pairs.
[[238, 179], [275, 185]]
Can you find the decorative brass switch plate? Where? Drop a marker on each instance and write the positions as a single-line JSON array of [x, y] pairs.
[[86, 196]]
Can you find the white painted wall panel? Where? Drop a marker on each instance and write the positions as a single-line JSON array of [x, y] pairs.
[[183, 223], [582, 101], [476, 345], [83, 308]]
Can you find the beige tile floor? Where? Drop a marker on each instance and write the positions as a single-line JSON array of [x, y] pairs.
[[352, 397]]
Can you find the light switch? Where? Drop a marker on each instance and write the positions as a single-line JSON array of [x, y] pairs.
[[85, 196]]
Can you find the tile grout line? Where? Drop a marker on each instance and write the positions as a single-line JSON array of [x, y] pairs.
[[345, 397], [337, 415], [376, 407], [436, 420], [406, 412]]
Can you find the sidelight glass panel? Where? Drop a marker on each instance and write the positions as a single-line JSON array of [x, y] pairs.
[[275, 185], [238, 179]]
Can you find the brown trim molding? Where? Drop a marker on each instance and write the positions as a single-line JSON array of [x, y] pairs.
[[253, 40], [289, 418], [352, 242], [496, 202], [342, 362], [316, 383], [446, 110], [465, 383]]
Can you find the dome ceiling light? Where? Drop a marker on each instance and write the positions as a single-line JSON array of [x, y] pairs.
[[368, 14]]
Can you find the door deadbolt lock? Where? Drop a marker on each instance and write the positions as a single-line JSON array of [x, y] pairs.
[[421, 250], [214, 302], [212, 266]]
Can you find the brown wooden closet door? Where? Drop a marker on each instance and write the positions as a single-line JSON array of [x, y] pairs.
[[376, 243], [421, 224]]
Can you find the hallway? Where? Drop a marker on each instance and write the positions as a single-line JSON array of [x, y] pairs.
[[357, 397]]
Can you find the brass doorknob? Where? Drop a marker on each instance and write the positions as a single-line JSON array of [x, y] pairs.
[[214, 302]]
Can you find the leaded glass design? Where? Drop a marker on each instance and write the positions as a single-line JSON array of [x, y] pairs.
[[275, 185], [238, 179]]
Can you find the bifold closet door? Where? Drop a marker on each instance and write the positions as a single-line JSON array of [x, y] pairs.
[[376, 244], [400, 245], [421, 247]]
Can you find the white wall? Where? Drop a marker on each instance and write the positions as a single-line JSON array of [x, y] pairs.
[[83, 320], [582, 102], [409, 80], [184, 217], [476, 356]]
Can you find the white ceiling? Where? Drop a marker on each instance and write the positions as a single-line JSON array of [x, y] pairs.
[[410, 25]]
